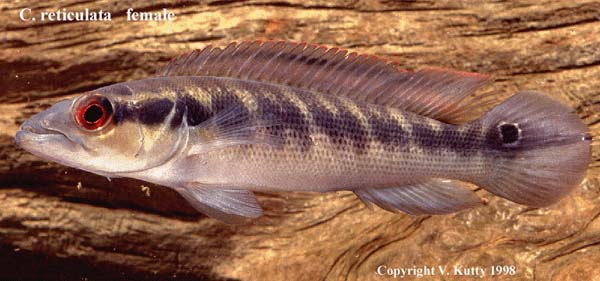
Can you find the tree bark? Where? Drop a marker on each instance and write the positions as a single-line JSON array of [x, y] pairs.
[[60, 223]]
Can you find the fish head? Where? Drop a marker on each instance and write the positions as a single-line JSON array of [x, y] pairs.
[[89, 132]]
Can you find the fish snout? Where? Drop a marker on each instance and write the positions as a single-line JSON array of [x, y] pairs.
[[27, 130], [19, 137], [36, 124]]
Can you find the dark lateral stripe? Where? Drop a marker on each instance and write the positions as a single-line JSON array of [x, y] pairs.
[[388, 132], [123, 112], [288, 119], [466, 142], [226, 99], [149, 112], [355, 130], [196, 112], [448, 138], [180, 109], [152, 112], [426, 136], [343, 128]]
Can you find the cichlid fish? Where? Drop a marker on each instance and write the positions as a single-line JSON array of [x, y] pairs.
[[217, 124]]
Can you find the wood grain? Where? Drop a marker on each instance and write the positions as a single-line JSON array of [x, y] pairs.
[[105, 230]]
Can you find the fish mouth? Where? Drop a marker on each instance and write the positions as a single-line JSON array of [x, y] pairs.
[[42, 142], [28, 133], [39, 130], [36, 143], [37, 134]]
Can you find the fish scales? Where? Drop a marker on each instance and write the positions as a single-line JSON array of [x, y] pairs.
[[218, 124], [326, 136]]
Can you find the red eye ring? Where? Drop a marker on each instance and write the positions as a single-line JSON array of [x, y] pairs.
[[93, 112]]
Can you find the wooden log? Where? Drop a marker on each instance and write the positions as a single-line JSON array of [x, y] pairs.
[[59, 223]]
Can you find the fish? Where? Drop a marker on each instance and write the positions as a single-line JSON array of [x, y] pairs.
[[220, 123]]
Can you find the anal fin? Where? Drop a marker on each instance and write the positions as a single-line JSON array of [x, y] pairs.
[[230, 205], [433, 197]]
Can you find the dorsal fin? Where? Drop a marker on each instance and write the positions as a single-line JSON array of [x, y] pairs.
[[435, 93]]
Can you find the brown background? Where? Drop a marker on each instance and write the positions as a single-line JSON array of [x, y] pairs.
[[50, 229]]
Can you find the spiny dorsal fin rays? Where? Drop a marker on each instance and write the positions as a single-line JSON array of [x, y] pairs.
[[433, 92], [440, 93]]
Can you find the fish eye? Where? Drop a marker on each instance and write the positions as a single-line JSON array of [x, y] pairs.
[[93, 112]]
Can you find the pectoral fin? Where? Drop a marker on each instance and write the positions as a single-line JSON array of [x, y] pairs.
[[229, 205], [231, 127], [434, 197]]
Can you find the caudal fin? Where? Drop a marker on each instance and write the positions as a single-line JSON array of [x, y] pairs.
[[538, 150]]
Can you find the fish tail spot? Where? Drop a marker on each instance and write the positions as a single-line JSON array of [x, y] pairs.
[[537, 149]]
